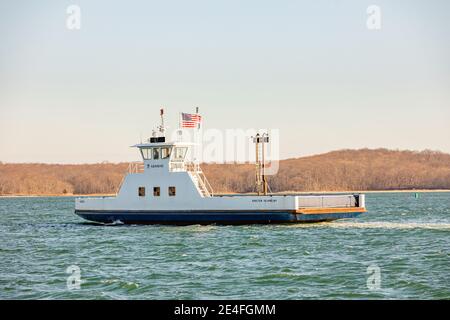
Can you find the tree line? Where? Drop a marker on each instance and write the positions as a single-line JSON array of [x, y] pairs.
[[343, 170]]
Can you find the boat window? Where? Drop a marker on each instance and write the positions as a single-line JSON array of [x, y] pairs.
[[146, 153], [141, 191], [172, 191], [180, 153], [156, 191], [155, 153], [165, 152]]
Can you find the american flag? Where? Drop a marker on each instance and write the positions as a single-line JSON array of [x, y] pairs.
[[190, 120]]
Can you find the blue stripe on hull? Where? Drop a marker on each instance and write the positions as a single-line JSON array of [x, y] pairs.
[[211, 218]]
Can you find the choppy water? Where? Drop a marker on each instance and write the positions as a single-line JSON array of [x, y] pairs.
[[407, 238]]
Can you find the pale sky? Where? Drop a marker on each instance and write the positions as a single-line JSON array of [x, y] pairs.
[[309, 68]]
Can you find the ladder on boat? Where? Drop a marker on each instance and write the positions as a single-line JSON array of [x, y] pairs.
[[201, 182]]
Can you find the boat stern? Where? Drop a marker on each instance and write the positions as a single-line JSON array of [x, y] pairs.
[[329, 207]]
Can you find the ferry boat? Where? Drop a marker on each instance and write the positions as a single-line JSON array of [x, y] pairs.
[[167, 188]]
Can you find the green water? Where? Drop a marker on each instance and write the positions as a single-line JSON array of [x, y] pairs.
[[407, 238]]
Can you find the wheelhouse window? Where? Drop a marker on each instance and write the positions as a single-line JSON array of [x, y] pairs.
[[141, 191], [165, 152], [156, 191], [156, 153], [146, 153], [179, 153], [172, 191]]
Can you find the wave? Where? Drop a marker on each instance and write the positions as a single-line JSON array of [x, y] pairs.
[[385, 225]]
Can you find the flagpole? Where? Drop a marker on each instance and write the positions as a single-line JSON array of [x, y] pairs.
[[180, 130], [197, 144]]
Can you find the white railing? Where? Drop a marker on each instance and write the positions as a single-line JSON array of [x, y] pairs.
[[177, 166], [205, 185], [135, 167], [327, 201]]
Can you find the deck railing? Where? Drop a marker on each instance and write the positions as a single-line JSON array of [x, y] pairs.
[[135, 167], [327, 201]]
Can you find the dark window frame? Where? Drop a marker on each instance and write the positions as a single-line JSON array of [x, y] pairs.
[[165, 152], [147, 153], [156, 191], [172, 190], [156, 153], [141, 191]]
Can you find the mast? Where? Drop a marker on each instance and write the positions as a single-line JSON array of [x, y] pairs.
[[161, 128], [257, 165], [180, 130], [264, 180], [196, 149], [260, 163]]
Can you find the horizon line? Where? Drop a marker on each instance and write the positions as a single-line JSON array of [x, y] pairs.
[[247, 162]]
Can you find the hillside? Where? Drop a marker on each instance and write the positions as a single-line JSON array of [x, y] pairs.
[[57, 179], [342, 170], [364, 169]]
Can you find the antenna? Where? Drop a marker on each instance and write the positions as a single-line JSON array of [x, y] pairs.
[[161, 128]]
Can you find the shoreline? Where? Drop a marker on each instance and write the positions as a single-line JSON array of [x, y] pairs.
[[231, 193]]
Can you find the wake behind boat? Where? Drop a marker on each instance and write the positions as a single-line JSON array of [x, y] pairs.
[[167, 188]]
